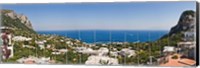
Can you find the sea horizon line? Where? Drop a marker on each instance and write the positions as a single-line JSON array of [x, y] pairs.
[[99, 30]]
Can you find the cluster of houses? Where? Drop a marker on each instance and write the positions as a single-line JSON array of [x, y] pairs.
[[184, 52], [181, 55], [7, 46], [59, 51], [7, 50], [21, 38], [99, 56], [35, 60], [102, 55]]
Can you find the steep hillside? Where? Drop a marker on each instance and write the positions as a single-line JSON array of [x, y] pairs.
[[186, 23], [18, 22]]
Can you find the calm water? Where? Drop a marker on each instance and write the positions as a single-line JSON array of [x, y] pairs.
[[103, 36]]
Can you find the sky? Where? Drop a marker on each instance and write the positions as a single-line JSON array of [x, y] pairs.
[[103, 16]]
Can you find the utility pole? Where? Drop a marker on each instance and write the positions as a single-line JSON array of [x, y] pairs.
[[1, 55], [125, 37], [94, 37], [110, 38], [66, 52], [168, 40], [159, 43], [150, 57], [137, 48], [79, 34]]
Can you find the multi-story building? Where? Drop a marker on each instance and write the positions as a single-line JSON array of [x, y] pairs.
[[6, 46]]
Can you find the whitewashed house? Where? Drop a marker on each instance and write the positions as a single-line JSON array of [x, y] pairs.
[[21, 38], [169, 49], [32, 59], [103, 51], [188, 44], [101, 60], [41, 44], [56, 53], [189, 36], [187, 48], [7, 44], [127, 52], [114, 53], [63, 50]]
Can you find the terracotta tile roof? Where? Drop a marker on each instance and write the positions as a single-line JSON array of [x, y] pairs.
[[179, 61], [29, 62], [187, 61]]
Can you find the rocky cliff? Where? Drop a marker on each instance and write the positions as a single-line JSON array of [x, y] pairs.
[[19, 22], [185, 23], [23, 19]]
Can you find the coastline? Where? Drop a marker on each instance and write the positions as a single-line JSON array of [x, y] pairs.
[[107, 36]]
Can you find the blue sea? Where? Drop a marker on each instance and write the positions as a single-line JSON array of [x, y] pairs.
[[105, 36]]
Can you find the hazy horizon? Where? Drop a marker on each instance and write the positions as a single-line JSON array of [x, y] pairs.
[[101, 30], [103, 16]]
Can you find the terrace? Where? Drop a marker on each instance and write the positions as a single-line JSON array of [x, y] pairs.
[[178, 60]]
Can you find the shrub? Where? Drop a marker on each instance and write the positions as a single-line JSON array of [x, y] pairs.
[[175, 57]]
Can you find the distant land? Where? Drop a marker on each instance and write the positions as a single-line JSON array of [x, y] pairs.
[[103, 36]]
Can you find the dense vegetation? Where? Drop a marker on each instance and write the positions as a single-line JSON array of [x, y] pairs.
[[143, 49]]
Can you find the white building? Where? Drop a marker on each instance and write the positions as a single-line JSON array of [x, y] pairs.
[[21, 38], [63, 50], [42, 60], [114, 53], [169, 49], [41, 44], [127, 52], [101, 60], [8, 44], [28, 46], [56, 53], [103, 51], [186, 44], [189, 36], [69, 43], [187, 48]]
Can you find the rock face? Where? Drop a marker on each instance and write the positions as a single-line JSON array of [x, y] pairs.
[[24, 20], [185, 23]]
